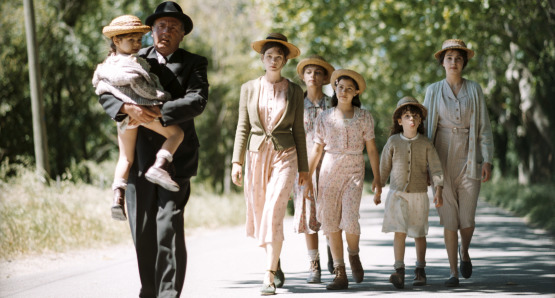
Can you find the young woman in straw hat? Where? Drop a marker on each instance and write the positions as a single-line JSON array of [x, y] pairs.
[[315, 72], [343, 132], [127, 77], [458, 125], [407, 156], [270, 142]]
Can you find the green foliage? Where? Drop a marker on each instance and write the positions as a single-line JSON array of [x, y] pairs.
[[535, 202], [392, 44]]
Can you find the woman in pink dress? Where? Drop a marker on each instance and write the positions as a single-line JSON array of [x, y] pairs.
[[343, 132], [270, 141]]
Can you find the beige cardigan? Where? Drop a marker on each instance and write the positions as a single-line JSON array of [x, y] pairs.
[[408, 162], [289, 132]]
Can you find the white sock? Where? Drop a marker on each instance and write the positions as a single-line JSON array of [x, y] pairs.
[[313, 254], [399, 264], [420, 264], [165, 154], [119, 183], [338, 262], [353, 252]]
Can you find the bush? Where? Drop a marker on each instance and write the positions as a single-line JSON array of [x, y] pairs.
[[534, 202]]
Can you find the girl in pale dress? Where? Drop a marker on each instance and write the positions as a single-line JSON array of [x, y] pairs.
[[459, 127], [343, 132], [270, 140], [407, 156], [315, 73]]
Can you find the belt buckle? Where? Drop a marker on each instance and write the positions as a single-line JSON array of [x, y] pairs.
[[455, 130]]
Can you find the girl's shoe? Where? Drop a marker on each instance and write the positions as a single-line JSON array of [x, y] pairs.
[[279, 277], [398, 278], [419, 277], [269, 289], [340, 281], [314, 273], [118, 204], [356, 268], [159, 173], [452, 282]]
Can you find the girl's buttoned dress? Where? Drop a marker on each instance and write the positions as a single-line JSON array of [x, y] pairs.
[[305, 207], [408, 162], [269, 174], [342, 170]]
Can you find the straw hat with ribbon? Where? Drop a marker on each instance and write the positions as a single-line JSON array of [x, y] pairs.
[[316, 60], [279, 38], [409, 100], [123, 25], [351, 74], [452, 44]]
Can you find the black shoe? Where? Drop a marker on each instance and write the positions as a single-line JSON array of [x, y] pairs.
[[330, 260], [452, 282], [465, 266], [279, 278]]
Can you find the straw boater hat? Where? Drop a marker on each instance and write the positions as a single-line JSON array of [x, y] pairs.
[[123, 25], [452, 44], [171, 9], [279, 38], [351, 74], [315, 60], [409, 100]]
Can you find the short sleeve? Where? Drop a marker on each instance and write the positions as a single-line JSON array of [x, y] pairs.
[[368, 126], [319, 132]]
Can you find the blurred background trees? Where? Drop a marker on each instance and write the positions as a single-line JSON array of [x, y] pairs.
[[390, 42]]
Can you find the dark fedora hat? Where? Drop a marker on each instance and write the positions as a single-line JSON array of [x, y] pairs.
[[170, 9]]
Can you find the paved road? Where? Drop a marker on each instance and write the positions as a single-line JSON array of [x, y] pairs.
[[509, 259]]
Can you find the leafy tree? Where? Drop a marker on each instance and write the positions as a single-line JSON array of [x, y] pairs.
[[392, 44]]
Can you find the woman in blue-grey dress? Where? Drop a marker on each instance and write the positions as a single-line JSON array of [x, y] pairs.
[[458, 125]]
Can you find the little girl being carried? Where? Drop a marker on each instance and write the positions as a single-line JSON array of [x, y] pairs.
[[127, 77], [407, 156]]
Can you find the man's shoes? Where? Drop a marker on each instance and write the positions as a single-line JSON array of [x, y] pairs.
[[118, 204], [419, 277], [279, 277], [330, 260], [340, 281], [398, 278], [452, 282], [356, 268], [314, 273], [159, 173], [465, 266]]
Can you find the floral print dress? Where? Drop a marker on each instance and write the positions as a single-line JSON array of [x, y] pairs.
[[342, 171]]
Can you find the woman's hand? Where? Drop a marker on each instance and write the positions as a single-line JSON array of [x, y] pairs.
[[140, 114], [303, 178], [309, 190], [486, 171], [438, 197], [237, 174], [377, 189]]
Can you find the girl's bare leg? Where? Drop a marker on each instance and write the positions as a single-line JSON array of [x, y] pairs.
[[173, 133], [126, 143]]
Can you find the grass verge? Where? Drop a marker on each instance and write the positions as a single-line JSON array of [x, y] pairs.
[[534, 202], [37, 218]]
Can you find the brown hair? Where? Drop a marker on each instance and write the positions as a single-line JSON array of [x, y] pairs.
[[272, 44], [415, 110], [463, 53], [113, 45]]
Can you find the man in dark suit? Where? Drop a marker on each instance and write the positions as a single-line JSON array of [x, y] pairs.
[[156, 214]]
